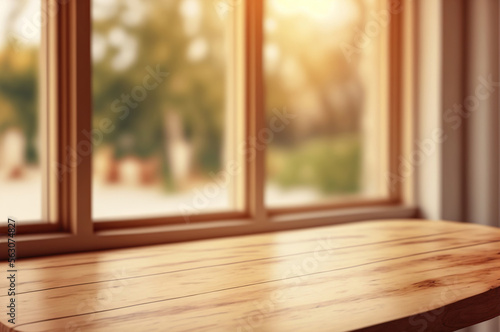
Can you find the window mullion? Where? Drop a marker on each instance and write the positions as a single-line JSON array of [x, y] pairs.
[[75, 108], [255, 110], [48, 115]]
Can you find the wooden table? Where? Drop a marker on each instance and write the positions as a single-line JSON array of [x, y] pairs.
[[399, 275]]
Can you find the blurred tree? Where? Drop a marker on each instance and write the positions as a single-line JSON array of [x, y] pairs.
[[194, 89]]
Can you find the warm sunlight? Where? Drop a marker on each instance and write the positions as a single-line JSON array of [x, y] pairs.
[[338, 12]]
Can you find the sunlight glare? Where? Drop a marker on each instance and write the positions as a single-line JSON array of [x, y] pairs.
[[337, 12]]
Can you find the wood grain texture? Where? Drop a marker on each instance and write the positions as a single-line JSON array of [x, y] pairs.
[[403, 275]]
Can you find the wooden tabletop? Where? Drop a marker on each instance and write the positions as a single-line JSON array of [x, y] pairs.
[[403, 275]]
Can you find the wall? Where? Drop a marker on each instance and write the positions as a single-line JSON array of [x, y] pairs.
[[459, 178]]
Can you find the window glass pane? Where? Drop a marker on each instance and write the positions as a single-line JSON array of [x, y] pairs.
[[164, 116], [325, 75], [20, 153]]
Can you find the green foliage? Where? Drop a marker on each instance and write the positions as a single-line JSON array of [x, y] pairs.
[[332, 165], [193, 90]]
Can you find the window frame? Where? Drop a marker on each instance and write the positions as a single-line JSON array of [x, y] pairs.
[[70, 227]]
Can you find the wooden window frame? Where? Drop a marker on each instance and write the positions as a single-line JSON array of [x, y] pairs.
[[68, 96]]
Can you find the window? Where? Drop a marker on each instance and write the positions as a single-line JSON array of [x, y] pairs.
[[183, 119], [164, 117], [333, 146], [21, 117]]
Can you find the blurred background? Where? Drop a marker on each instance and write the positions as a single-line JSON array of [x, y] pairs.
[[166, 147], [169, 139], [162, 142], [322, 70], [20, 153]]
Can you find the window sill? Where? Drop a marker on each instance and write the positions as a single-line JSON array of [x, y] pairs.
[[59, 243]]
